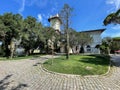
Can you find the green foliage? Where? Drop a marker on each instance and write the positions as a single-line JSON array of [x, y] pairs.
[[77, 38], [116, 38], [11, 26], [112, 18], [84, 38], [81, 65], [74, 37], [106, 45], [28, 33], [29, 36], [52, 38], [115, 44], [110, 44]]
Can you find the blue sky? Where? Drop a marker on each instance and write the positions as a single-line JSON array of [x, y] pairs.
[[87, 14]]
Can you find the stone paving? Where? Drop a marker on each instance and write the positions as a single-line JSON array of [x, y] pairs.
[[28, 75]]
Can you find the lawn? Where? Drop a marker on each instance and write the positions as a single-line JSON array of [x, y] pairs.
[[79, 64]]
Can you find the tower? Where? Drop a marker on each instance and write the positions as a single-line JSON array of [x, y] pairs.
[[55, 22]]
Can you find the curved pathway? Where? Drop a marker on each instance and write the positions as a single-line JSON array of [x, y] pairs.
[[28, 75]]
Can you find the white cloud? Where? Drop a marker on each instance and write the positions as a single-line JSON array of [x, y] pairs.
[[116, 27], [110, 2], [115, 4], [43, 19], [23, 3], [22, 7], [42, 4], [38, 3], [40, 18]]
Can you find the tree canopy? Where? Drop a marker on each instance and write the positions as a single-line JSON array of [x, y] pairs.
[[112, 18], [25, 32], [110, 45]]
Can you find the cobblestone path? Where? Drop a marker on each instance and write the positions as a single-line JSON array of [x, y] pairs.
[[28, 75]]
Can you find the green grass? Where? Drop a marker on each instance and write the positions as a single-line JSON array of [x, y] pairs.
[[79, 64], [20, 57]]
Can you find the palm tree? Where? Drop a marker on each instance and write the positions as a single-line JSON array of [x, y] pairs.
[[112, 18]]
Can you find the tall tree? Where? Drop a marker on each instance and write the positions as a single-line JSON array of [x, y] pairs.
[[32, 34], [52, 37], [2, 29], [112, 18], [65, 14], [13, 26]]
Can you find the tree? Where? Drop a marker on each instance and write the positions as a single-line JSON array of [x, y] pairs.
[[2, 35], [2, 29], [31, 35], [65, 15], [112, 18], [11, 24], [40, 39], [106, 44], [14, 31], [115, 45], [51, 37]]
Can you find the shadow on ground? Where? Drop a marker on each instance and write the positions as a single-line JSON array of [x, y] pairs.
[[20, 86], [41, 58], [115, 60], [96, 59], [37, 64], [5, 82]]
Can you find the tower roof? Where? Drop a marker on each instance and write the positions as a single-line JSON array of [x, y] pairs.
[[54, 17]]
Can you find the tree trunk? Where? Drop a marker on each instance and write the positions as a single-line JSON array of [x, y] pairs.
[[27, 52], [12, 49], [73, 51], [108, 50], [52, 57], [7, 51], [67, 36], [32, 51]]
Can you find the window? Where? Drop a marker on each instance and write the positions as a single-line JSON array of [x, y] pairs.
[[88, 48]]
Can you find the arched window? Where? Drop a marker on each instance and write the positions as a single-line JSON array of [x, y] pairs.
[[88, 48], [97, 46]]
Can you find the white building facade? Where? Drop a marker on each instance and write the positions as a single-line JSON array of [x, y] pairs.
[[55, 23], [96, 41]]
